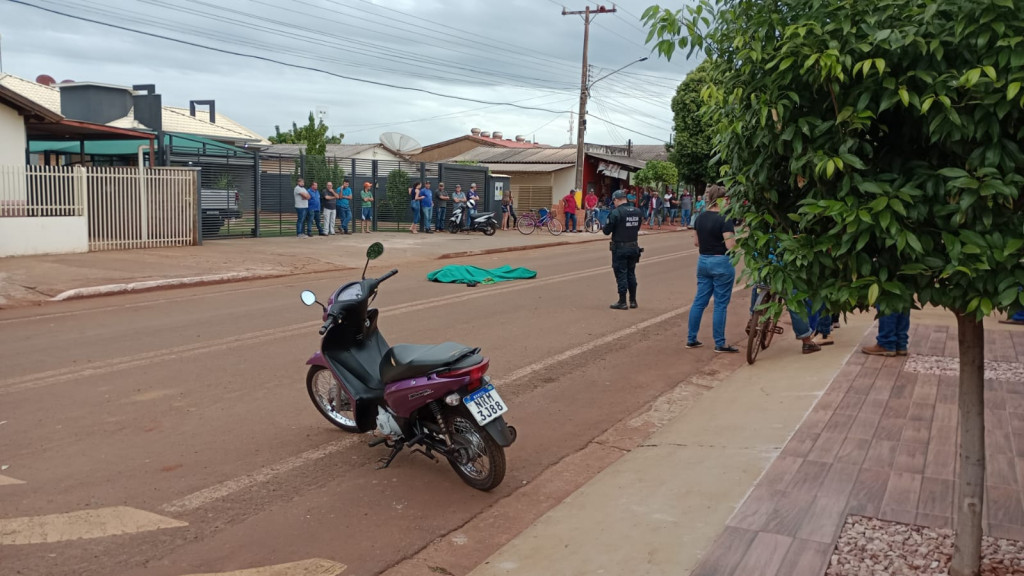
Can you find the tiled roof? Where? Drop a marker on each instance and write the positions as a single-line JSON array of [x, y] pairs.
[[48, 96], [174, 119], [335, 150], [492, 142], [503, 167], [485, 154]]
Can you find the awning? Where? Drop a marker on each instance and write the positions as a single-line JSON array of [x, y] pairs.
[[72, 131], [613, 170], [101, 147], [630, 164], [526, 167]]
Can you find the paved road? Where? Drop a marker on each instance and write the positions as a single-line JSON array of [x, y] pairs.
[[170, 433]]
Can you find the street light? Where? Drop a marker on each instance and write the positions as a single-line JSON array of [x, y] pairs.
[[584, 92]]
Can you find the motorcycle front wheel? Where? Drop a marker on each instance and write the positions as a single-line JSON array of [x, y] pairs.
[[477, 458], [330, 400]]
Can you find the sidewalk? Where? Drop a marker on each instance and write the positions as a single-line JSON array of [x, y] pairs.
[[730, 489], [34, 279]]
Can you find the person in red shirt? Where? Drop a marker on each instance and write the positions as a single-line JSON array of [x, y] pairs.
[[569, 207]]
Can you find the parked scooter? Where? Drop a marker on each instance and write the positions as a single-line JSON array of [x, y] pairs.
[[434, 399], [482, 222]]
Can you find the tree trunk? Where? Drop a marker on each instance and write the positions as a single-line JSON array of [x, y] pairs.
[[971, 493]]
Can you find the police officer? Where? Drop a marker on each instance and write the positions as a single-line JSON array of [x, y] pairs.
[[624, 226]]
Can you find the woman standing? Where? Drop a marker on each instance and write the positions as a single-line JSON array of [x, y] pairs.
[[506, 209], [414, 202]]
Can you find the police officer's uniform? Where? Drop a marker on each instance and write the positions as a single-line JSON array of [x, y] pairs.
[[624, 227]]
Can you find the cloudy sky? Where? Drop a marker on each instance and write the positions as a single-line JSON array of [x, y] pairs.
[[512, 51]]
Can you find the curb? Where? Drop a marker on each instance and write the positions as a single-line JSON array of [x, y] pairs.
[[504, 249], [110, 289]]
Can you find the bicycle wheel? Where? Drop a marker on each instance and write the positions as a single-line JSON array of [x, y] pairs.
[[754, 335], [592, 225], [770, 327], [555, 227], [526, 224]]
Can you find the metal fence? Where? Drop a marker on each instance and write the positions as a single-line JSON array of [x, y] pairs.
[[41, 191], [278, 175], [228, 197], [147, 208]]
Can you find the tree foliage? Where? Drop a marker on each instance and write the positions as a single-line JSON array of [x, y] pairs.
[[904, 116], [691, 150], [313, 134], [398, 189], [657, 174]]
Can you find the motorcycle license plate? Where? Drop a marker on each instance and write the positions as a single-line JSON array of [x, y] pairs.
[[485, 404]]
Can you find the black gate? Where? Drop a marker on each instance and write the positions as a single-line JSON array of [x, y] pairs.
[[229, 189]]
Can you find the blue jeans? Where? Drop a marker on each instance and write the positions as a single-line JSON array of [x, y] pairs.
[[314, 218], [602, 216], [415, 206], [440, 210], [302, 215], [686, 216], [425, 217], [346, 217], [715, 276], [819, 321], [1018, 316], [894, 331], [570, 217]]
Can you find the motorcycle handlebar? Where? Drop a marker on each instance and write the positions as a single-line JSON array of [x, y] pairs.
[[388, 275], [331, 318]]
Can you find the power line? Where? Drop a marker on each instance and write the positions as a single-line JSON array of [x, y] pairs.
[[279, 62], [655, 138]]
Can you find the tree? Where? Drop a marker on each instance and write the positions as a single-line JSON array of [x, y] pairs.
[[398, 191], [691, 150], [313, 134], [904, 116], [657, 174]]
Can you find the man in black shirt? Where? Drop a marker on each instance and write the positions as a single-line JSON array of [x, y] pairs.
[[624, 226], [715, 272]]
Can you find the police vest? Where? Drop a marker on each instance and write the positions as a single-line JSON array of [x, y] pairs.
[[627, 224]]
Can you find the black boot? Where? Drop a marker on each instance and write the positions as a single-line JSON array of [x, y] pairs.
[[632, 298], [621, 304]]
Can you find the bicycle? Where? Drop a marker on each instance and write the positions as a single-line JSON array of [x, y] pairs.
[[528, 222], [761, 329], [592, 224]]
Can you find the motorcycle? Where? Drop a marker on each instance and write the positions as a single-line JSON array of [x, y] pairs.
[[482, 222], [434, 399]]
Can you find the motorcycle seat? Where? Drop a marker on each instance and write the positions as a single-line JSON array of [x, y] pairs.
[[482, 215], [404, 361]]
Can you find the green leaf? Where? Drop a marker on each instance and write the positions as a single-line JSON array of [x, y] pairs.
[[786, 63], [884, 219], [904, 96], [869, 187], [914, 243], [873, 294], [954, 173], [878, 204], [1012, 90], [990, 72], [971, 77], [1012, 245], [986, 306], [880, 64], [1004, 3], [926, 104]]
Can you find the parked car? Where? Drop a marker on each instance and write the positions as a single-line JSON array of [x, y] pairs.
[[218, 206]]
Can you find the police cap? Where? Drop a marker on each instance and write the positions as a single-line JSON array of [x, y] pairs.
[[619, 195]]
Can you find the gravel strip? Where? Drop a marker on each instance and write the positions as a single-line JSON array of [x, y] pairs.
[[871, 547], [945, 366]]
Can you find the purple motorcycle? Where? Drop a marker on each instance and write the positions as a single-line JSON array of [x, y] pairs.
[[433, 399]]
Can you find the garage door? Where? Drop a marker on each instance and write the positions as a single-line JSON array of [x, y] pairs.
[[532, 197]]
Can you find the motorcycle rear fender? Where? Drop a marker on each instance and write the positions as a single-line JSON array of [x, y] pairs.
[[502, 433]]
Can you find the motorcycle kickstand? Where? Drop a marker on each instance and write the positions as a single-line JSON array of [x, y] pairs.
[[385, 462], [426, 453]]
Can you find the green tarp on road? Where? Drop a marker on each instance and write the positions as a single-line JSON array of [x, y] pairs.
[[458, 274]]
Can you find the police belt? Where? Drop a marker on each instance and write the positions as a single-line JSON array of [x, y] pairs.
[[617, 244]]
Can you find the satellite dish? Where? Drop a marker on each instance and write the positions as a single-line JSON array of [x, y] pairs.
[[67, 81], [45, 80], [400, 144]]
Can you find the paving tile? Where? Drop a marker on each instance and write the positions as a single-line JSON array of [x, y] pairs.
[[910, 458], [825, 517], [916, 432], [927, 388], [789, 512], [944, 435], [934, 521], [806, 558], [808, 477], [839, 423], [755, 509], [1014, 402], [919, 339], [764, 556], [941, 461], [865, 379], [936, 496], [816, 420], [1013, 387], [995, 401], [864, 426], [726, 553], [780, 472], [894, 514], [1016, 422], [826, 448], [1004, 506], [947, 394], [885, 380], [921, 411], [1004, 531], [853, 451], [995, 442], [1020, 471], [905, 384], [868, 492], [874, 406], [881, 455], [896, 409], [903, 491], [946, 414], [799, 444], [851, 404], [937, 341], [1001, 470], [890, 429]]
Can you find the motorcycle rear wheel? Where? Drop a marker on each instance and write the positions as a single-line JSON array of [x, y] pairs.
[[484, 467], [490, 229], [330, 400]]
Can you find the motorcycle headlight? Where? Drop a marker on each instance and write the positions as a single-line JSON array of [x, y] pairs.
[[452, 399]]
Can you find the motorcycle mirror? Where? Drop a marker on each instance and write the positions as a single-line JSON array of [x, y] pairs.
[[308, 298], [374, 251]]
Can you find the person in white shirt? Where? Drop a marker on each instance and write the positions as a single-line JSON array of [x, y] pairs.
[[301, 208]]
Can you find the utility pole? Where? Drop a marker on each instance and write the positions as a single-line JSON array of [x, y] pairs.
[[588, 17]]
